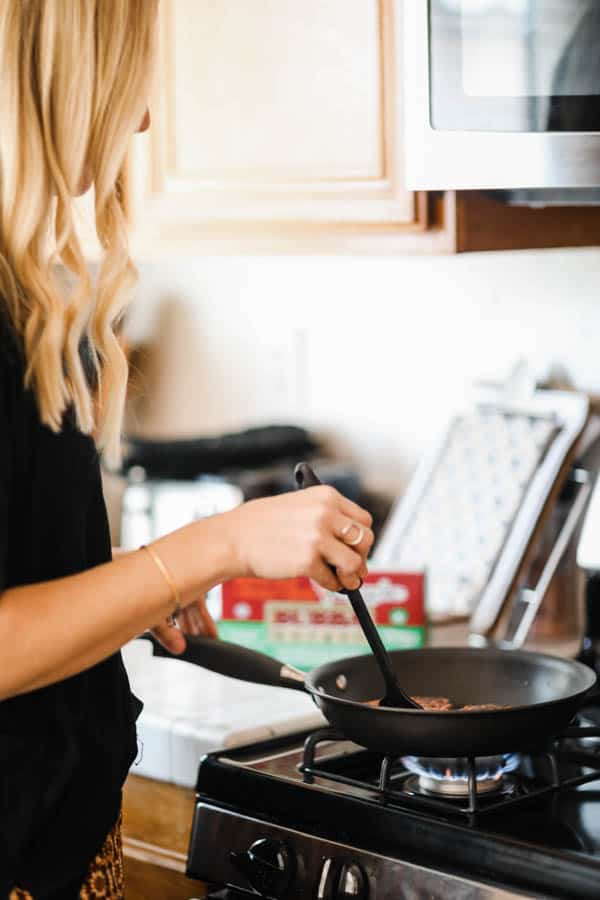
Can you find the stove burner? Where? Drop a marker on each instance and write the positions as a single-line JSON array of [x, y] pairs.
[[450, 777], [396, 781]]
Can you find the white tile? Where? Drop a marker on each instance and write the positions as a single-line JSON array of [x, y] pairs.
[[189, 711], [154, 743]]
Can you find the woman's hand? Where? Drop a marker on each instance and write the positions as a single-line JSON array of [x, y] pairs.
[[302, 534], [194, 619]]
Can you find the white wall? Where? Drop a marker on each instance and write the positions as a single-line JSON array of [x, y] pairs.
[[373, 353]]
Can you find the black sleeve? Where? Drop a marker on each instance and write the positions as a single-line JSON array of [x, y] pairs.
[[10, 750], [6, 467]]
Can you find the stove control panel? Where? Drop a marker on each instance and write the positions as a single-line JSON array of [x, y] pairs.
[[229, 850], [342, 880]]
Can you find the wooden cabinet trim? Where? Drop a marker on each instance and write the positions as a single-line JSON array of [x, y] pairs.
[[483, 223], [235, 203], [156, 856]]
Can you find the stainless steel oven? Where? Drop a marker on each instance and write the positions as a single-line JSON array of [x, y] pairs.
[[502, 94]]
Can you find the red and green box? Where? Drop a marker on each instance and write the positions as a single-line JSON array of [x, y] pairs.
[[305, 626]]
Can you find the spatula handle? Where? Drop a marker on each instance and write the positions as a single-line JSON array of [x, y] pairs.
[[306, 477]]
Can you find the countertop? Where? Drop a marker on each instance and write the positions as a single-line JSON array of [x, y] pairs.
[[457, 635], [189, 711]]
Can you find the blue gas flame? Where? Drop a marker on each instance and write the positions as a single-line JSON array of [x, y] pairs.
[[487, 768]]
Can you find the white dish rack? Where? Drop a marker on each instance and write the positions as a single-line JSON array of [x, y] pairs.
[[476, 500]]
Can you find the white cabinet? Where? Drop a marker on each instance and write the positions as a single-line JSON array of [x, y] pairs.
[[275, 119]]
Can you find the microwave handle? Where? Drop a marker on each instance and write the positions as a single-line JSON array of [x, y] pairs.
[[528, 601]]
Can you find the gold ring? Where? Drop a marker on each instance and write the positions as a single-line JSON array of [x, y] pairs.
[[348, 528]]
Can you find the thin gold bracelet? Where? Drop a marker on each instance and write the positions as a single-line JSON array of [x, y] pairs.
[[168, 578]]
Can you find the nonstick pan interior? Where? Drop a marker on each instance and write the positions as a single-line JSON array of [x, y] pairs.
[[542, 694], [467, 676]]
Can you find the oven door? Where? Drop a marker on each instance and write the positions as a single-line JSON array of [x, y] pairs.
[[502, 94]]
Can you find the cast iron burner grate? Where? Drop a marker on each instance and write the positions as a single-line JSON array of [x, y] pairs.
[[393, 783]]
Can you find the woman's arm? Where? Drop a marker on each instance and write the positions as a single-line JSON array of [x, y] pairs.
[[53, 630], [193, 619]]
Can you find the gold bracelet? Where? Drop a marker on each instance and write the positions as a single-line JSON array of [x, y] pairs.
[[168, 578]]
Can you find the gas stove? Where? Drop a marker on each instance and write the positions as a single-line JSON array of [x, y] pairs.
[[315, 816]]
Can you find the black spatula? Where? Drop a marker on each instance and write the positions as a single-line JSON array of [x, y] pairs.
[[394, 695]]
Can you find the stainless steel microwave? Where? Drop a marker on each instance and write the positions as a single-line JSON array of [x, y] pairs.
[[502, 94]]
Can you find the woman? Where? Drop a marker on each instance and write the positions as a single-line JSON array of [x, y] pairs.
[[74, 79]]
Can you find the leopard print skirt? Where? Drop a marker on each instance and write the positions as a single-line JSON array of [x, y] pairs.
[[104, 880]]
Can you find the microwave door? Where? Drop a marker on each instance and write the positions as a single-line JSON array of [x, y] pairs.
[[502, 94]]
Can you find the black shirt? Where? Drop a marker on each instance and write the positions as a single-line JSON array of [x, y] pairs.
[[64, 749]]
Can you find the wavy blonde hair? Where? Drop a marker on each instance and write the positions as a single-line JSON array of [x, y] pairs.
[[74, 83]]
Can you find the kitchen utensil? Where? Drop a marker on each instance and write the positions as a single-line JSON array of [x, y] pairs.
[[541, 694], [394, 695], [189, 457]]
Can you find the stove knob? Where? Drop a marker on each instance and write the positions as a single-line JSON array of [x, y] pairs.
[[342, 880], [269, 865], [353, 883], [328, 879]]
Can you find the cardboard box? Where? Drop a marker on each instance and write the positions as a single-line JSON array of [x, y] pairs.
[[305, 626]]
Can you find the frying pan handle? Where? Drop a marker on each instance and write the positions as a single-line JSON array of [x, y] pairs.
[[232, 660]]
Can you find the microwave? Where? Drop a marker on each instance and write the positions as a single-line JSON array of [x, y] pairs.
[[503, 95]]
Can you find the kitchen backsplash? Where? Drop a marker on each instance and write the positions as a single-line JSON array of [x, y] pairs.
[[371, 353]]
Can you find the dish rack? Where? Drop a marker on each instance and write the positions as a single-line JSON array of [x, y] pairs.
[[479, 498]]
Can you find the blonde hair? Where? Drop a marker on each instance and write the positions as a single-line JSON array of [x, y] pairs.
[[74, 82]]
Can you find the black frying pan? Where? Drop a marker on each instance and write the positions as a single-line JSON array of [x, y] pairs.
[[543, 694]]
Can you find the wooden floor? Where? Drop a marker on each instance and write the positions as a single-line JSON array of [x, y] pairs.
[[156, 826]]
